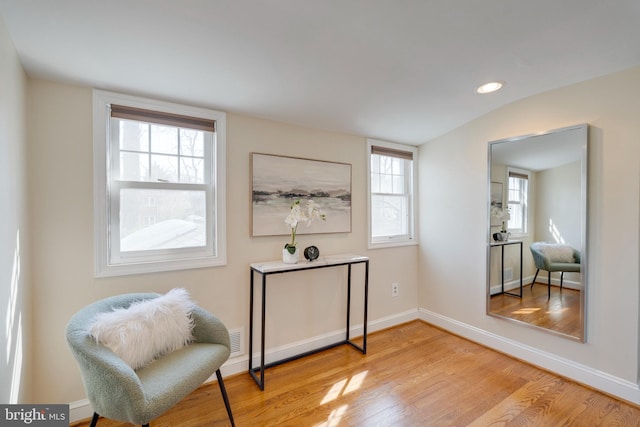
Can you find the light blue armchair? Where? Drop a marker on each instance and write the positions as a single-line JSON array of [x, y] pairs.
[[550, 257], [118, 392]]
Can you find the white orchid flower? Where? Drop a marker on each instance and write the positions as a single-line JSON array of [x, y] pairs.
[[298, 215]]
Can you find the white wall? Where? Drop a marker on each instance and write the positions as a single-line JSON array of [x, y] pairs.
[[301, 306], [452, 259], [14, 233], [558, 205]]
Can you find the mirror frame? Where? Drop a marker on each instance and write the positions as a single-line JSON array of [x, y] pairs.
[[584, 186]]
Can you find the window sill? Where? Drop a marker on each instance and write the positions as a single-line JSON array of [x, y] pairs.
[[157, 267], [392, 244], [518, 235]]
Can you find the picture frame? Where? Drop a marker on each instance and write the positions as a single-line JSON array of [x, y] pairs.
[[278, 181]]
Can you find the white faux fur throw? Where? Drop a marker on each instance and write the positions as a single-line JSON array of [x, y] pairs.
[[558, 253], [147, 329]]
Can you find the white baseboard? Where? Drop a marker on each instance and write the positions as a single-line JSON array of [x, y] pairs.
[[241, 363], [623, 389], [81, 409], [514, 285]]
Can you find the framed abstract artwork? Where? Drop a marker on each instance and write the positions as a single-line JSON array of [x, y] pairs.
[[279, 181], [496, 201]]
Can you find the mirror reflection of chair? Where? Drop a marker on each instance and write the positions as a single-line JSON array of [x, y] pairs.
[[123, 391], [554, 258]]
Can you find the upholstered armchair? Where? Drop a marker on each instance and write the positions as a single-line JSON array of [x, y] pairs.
[[118, 391], [554, 258]]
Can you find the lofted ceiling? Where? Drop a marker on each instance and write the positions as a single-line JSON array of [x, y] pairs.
[[398, 70]]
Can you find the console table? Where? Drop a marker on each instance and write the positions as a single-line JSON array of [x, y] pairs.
[[278, 267], [502, 245]]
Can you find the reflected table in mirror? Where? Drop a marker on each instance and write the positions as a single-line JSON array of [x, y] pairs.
[[502, 246]]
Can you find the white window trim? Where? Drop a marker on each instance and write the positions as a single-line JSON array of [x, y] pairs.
[[102, 267], [528, 173], [413, 233]]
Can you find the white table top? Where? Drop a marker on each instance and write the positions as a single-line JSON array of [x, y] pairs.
[[275, 266], [507, 242]]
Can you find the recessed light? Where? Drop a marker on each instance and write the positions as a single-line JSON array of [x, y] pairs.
[[489, 87]]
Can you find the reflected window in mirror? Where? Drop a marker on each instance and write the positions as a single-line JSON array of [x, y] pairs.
[[518, 201]]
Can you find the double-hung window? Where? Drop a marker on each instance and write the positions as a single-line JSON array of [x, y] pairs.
[[392, 188], [158, 185], [518, 200]]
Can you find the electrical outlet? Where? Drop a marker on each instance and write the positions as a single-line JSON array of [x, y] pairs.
[[395, 289]]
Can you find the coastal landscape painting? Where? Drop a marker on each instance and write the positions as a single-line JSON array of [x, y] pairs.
[[278, 181]]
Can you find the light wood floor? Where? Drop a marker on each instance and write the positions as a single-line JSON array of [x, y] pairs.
[[561, 312], [413, 375]]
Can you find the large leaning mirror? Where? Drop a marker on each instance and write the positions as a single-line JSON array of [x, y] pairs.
[[536, 249]]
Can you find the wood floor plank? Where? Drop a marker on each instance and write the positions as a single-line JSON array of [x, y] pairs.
[[560, 312], [413, 375]]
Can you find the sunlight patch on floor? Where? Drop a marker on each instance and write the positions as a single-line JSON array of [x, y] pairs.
[[344, 386], [334, 418], [341, 388], [335, 391], [529, 310], [558, 310], [355, 382]]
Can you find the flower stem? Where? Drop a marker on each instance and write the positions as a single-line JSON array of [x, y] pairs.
[[291, 247]]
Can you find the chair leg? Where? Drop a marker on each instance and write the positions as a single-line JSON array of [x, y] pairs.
[[549, 287], [561, 277], [94, 420], [223, 390], [534, 278]]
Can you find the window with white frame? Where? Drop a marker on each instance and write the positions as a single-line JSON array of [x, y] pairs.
[[392, 186], [159, 186], [518, 200]]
